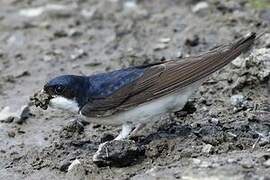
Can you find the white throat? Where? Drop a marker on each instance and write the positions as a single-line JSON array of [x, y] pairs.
[[64, 103]]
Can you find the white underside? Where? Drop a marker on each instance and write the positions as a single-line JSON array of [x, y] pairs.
[[150, 111]]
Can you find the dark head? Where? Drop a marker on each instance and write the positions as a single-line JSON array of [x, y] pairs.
[[66, 89]]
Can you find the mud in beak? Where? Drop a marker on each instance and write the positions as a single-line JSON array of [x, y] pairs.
[[41, 99]]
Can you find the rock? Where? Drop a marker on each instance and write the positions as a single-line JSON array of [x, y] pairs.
[[160, 46], [24, 115], [76, 171], [207, 149], [78, 54], [196, 161], [237, 100], [5, 114], [106, 137], [72, 165], [200, 6], [56, 9], [165, 40], [11, 133], [74, 126], [64, 166], [88, 14], [254, 70], [206, 164], [247, 163], [238, 62], [214, 121], [267, 163], [60, 33], [130, 4], [117, 153], [192, 41]]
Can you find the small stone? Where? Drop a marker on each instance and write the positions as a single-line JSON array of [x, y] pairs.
[[117, 153], [74, 126], [24, 115], [232, 161], [130, 4], [192, 41], [11, 133], [76, 171], [200, 6], [237, 100], [78, 54], [165, 40], [239, 62], [206, 164], [74, 163], [247, 163], [160, 46], [196, 161], [179, 54], [207, 149], [88, 14], [64, 166], [74, 33], [106, 137], [267, 163], [60, 33], [6, 114], [9, 119], [214, 121]]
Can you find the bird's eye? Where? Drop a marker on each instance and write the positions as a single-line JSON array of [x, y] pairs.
[[59, 89]]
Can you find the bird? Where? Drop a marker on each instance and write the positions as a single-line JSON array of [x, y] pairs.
[[135, 96]]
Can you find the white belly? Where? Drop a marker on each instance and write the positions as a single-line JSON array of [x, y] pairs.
[[151, 110]]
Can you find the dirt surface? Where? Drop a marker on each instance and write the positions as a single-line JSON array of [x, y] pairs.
[[223, 133]]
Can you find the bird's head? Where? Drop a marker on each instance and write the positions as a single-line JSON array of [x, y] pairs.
[[65, 92]]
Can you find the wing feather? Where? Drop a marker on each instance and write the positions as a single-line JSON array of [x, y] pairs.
[[163, 78]]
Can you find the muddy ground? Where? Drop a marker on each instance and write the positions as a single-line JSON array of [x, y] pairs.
[[223, 133]]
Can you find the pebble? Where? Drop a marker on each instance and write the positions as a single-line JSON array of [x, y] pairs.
[[74, 163], [196, 161], [64, 166], [11, 133], [200, 6], [160, 46], [207, 149], [76, 171], [239, 62], [24, 115], [88, 14], [117, 153], [214, 121], [165, 40], [130, 4], [6, 114], [49, 8], [78, 54], [247, 163], [267, 163], [237, 100], [192, 41]]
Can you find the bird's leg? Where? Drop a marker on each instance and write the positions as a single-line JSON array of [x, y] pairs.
[[137, 128], [126, 130]]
